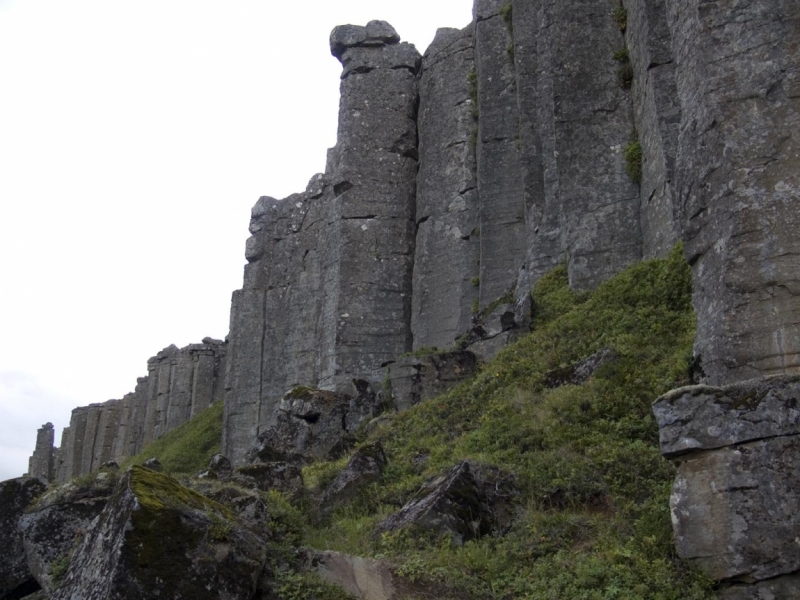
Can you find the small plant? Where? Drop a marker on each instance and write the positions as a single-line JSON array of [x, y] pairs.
[[622, 55], [507, 12], [475, 281], [633, 160], [476, 306], [625, 75], [621, 17], [58, 568]]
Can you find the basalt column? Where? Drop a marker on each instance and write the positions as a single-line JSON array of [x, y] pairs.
[[500, 178], [738, 180], [446, 266], [42, 462], [575, 119], [327, 289]]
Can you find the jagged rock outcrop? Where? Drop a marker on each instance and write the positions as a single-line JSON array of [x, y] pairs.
[[363, 468], [327, 291], [180, 383], [734, 502], [469, 501], [158, 538], [42, 463], [15, 496], [738, 181], [315, 424], [56, 523], [414, 379]]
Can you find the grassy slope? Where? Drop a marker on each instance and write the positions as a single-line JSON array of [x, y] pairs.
[[593, 517], [188, 448]]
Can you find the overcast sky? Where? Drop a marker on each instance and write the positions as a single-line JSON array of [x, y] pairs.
[[134, 138]]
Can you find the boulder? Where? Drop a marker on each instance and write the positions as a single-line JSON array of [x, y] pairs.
[[415, 379], [461, 504], [153, 464], [284, 477], [315, 424], [364, 467], [157, 538], [579, 373], [734, 502], [219, 467], [56, 524], [15, 496]]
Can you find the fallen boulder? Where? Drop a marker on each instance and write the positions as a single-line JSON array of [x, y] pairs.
[[364, 467], [460, 504], [284, 477], [15, 496], [157, 538]]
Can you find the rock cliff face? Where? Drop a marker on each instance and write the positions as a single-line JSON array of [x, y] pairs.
[[179, 384], [592, 133]]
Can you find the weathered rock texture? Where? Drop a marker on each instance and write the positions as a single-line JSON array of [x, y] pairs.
[[327, 291], [413, 379], [156, 538], [15, 496], [735, 507], [180, 383], [42, 463], [738, 180]]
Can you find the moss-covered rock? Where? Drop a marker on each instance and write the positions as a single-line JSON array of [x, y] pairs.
[[157, 538]]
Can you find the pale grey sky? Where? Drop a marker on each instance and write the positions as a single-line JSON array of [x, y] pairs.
[[134, 138]]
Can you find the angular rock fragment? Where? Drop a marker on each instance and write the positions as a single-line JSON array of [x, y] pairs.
[[415, 379], [364, 467], [15, 496], [459, 504], [283, 477], [153, 464], [219, 467], [580, 372], [57, 523], [315, 424], [734, 502], [156, 538]]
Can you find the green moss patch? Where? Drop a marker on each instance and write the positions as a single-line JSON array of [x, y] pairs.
[[593, 519], [188, 448]]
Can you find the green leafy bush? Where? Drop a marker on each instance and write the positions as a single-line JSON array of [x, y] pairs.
[[633, 161]]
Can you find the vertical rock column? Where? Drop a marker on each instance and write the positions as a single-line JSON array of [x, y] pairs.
[[657, 114], [738, 180], [577, 123], [446, 264], [375, 167], [42, 463], [500, 178], [72, 442]]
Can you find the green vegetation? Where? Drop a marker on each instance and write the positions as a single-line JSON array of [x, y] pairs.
[[622, 55], [475, 281], [305, 586], [422, 351], [621, 17], [188, 448], [507, 12], [58, 568], [633, 160], [592, 520]]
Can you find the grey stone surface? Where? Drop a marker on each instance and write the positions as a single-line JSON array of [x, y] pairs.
[[738, 181], [327, 289], [657, 114], [578, 120], [315, 424], [469, 501], [446, 262], [785, 587], [57, 524], [705, 418], [156, 538], [581, 371], [415, 379], [736, 512], [42, 463], [363, 468], [284, 477], [15, 496], [499, 160], [364, 578]]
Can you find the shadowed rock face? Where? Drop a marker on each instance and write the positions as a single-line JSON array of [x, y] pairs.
[[157, 538], [15, 496]]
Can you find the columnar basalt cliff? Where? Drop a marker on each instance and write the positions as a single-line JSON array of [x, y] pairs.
[[590, 133]]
